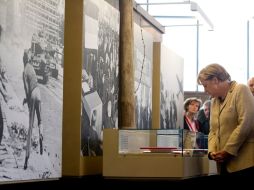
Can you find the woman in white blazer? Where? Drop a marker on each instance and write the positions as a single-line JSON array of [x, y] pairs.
[[231, 136]]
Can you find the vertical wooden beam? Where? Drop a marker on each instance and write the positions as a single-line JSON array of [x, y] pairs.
[[126, 68], [72, 86], [156, 85]]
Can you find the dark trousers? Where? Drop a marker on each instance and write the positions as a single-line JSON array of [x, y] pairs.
[[248, 172]]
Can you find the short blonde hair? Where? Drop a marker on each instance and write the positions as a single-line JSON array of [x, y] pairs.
[[188, 101], [211, 71]]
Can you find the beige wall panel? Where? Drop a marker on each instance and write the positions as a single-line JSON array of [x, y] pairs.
[[156, 85], [72, 86], [91, 165]]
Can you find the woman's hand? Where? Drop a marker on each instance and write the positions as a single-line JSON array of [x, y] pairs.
[[212, 155], [220, 156]]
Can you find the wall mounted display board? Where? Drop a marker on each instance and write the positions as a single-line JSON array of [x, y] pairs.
[[171, 88], [31, 86], [143, 57], [100, 74], [91, 84]]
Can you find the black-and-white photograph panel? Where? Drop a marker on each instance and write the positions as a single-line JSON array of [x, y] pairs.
[[171, 98], [143, 59], [100, 74], [31, 86]]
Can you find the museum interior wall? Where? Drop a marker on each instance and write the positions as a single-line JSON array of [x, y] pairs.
[[100, 66], [115, 49]]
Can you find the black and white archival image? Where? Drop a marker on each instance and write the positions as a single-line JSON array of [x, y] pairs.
[[143, 56], [100, 74], [171, 98], [31, 89]]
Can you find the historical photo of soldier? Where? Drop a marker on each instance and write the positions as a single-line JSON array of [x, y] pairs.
[[31, 89]]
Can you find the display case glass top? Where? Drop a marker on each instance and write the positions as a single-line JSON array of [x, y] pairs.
[[174, 142]]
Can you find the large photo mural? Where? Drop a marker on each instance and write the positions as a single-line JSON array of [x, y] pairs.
[[31, 86], [100, 74], [172, 96], [143, 59]]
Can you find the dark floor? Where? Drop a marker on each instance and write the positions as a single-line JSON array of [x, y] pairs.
[[109, 183]]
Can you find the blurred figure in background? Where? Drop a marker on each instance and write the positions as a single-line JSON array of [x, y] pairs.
[[204, 121], [191, 124], [204, 117], [251, 85], [191, 108]]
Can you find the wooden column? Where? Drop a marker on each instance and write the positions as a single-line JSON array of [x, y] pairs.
[[156, 85], [126, 68], [72, 87]]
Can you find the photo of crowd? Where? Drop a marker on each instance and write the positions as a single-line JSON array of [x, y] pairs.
[[100, 74]]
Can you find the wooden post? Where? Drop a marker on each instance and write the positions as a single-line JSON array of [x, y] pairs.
[[72, 93], [126, 68]]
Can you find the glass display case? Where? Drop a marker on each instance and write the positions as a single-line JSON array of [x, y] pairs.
[[171, 141], [155, 153]]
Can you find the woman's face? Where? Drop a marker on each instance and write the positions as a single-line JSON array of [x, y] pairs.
[[211, 87], [193, 107]]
